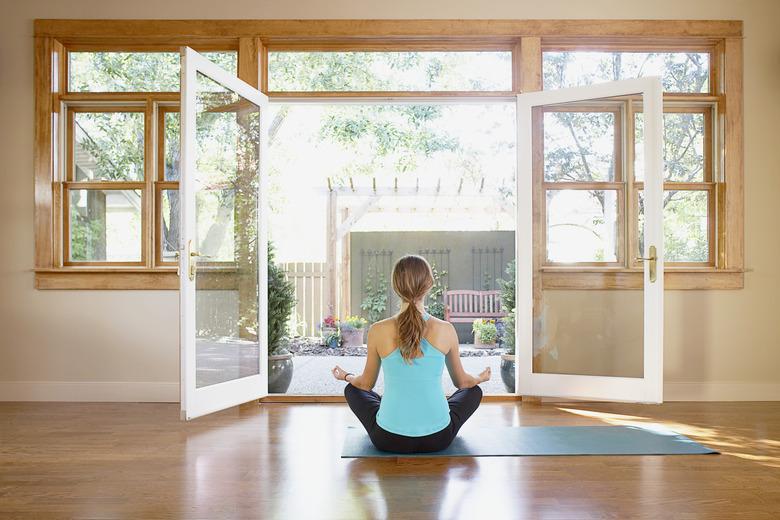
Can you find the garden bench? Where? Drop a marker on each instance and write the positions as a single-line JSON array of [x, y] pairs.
[[465, 306]]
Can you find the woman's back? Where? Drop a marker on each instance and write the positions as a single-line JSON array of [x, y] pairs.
[[414, 403]]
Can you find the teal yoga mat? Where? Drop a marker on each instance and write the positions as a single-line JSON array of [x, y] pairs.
[[507, 441]]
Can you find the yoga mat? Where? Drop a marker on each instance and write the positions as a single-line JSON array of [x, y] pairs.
[[509, 441]]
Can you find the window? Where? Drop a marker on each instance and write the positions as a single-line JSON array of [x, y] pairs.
[[120, 207], [107, 157], [133, 71], [390, 71], [596, 154]]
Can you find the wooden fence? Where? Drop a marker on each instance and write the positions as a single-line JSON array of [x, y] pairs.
[[311, 292]]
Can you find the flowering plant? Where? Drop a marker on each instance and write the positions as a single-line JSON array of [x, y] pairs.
[[329, 322], [486, 329], [353, 323]]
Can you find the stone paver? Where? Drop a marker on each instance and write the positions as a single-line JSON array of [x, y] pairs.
[[312, 374]]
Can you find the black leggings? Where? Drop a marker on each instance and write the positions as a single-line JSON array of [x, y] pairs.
[[365, 405]]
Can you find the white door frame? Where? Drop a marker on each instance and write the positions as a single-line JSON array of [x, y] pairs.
[[648, 388], [201, 401]]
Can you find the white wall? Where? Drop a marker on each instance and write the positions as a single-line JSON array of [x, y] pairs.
[[124, 344]]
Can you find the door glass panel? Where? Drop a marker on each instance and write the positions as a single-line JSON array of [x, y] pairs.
[[226, 212], [579, 154]]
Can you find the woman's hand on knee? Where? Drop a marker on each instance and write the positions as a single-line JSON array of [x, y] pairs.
[[339, 373], [484, 375]]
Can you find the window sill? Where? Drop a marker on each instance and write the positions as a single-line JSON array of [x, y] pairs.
[[107, 278], [675, 278], [553, 278]]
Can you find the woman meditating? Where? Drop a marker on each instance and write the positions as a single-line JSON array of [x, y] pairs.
[[412, 347]]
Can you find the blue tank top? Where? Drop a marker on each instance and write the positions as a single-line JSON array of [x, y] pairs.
[[414, 403]]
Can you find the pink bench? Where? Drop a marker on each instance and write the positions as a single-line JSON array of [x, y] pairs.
[[465, 306]]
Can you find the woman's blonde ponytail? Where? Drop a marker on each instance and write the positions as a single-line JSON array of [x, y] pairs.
[[412, 279]]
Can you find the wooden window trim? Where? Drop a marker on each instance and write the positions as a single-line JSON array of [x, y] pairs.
[[252, 38]]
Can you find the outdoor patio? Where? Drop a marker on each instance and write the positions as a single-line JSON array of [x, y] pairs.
[[312, 374]]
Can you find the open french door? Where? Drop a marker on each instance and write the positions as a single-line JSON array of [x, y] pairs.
[[223, 256], [579, 159]]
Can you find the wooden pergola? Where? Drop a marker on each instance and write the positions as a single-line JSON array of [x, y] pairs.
[[348, 204]]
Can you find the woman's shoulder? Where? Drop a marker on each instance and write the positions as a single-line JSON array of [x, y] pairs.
[[439, 324]]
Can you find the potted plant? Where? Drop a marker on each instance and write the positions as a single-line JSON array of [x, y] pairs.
[[508, 342], [485, 333], [352, 331], [329, 332], [281, 300]]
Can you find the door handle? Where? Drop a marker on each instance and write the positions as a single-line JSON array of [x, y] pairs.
[[653, 259]]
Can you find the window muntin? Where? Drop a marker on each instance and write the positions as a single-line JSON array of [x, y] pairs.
[[107, 146], [683, 72], [111, 71], [104, 225], [361, 71]]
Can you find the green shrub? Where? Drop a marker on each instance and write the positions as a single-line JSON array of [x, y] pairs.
[[281, 300]]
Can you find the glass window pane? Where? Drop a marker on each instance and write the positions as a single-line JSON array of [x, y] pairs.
[[680, 71], [133, 71], [582, 225], [390, 71], [579, 146], [686, 225], [226, 177], [169, 224], [172, 152], [105, 225], [108, 146], [683, 147]]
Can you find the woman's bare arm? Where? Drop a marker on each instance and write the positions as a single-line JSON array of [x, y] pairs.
[[367, 379], [460, 378]]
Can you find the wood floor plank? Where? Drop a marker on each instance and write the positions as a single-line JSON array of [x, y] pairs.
[[108, 460]]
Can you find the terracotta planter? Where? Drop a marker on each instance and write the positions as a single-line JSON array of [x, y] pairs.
[[280, 373], [478, 343], [508, 372], [351, 337]]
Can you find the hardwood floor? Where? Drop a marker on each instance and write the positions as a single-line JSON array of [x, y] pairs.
[[138, 461]]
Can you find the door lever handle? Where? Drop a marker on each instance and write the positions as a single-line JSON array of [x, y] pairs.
[[653, 260]]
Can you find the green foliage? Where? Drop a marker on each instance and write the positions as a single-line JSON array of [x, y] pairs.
[[114, 146], [375, 301], [507, 286], [87, 238], [436, 305], [508, 340], [508, 301], [488, 333], [281, 300]]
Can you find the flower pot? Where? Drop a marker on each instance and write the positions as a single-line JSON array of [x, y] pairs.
[[508, 372], [478, 343], [330, 337], [280, 372], [351, 337]]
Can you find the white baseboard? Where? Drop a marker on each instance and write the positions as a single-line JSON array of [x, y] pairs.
[[168, 392], [95, 391], [721, 391]]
